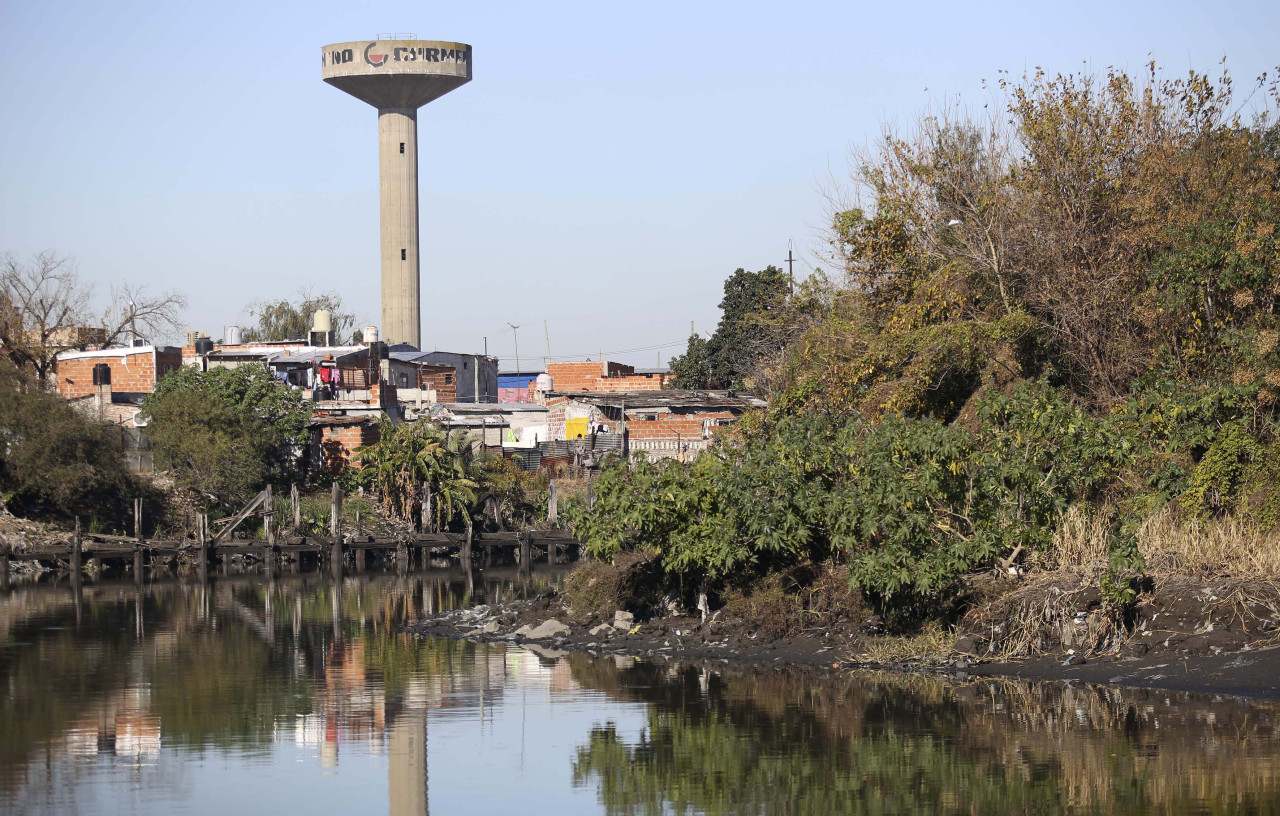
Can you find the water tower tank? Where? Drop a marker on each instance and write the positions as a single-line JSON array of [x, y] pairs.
[[231, 336], [398, 75], [370, 335], [322, 321], [544, 382]]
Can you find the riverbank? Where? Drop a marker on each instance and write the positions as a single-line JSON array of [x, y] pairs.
[[1178, 638]]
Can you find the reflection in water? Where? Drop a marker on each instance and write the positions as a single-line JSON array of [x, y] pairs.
[[889, 744], [297, 693]]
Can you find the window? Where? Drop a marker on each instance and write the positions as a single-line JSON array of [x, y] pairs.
[[404, 254], [402, 147], [404, 380], [448, 379]]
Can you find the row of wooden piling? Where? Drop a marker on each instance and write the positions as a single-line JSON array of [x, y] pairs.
[[207, 545]]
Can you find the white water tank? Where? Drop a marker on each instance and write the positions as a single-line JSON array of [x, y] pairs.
[[231, 336], [322, 321], [543, 382], [370, 334]]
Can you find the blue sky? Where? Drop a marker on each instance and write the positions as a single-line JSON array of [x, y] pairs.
[[606, 169]]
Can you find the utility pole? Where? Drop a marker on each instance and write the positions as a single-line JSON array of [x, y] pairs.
[[516, 337], [791, 270], [547, 333], [133, 326]]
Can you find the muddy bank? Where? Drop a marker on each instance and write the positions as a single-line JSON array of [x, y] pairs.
[[1183, 638]]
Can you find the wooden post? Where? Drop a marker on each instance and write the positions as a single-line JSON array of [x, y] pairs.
[[553, 547], [202, 533], [523, 542], [553, 507], [137, 519], [591, 498], [297, 507], [269, 534], [402, 557], [4, 566], [335, 512], [137, 563], [466, 547], [77, 543], [362, 559], [426, 509]]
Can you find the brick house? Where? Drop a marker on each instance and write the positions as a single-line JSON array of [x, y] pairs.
[[134, 370]]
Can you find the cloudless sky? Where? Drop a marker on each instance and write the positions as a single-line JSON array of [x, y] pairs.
[[605, 170]]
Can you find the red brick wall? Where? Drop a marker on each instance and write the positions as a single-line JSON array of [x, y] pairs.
[[338, 442], [606, 376], [575, 376], [75, 376]]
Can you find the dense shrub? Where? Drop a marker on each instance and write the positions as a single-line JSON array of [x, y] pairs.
[[56, 461]]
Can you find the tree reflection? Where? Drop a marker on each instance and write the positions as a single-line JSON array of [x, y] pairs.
[[772, 743]]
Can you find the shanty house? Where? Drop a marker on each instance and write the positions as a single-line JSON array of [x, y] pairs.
[[663, 424]]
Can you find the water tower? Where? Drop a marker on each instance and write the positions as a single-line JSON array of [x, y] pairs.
[[397, 76]]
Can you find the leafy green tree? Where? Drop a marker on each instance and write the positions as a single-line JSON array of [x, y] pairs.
[[693, 369], [225, 432], [746, 332]]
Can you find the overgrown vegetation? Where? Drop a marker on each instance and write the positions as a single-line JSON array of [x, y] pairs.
[[1069, 306]]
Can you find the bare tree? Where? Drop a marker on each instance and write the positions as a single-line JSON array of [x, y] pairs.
[[45, 309], [136, 313]]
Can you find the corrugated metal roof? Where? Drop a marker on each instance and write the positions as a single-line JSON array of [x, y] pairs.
[[302, 355]]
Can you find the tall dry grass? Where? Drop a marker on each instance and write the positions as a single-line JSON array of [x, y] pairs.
[[1229, 547], [1171, 544]]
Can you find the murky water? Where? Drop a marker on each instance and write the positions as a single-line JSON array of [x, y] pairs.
[[299, 696]]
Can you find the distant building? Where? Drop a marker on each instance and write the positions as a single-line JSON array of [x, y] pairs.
[[476, 377]]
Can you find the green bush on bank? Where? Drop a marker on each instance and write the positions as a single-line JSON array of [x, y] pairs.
[[910, 505]]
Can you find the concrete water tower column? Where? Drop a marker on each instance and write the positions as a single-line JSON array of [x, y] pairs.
[[398, 76]]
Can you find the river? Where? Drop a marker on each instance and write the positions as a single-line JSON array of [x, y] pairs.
[[299, 695]]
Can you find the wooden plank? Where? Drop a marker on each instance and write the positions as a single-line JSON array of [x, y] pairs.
[[241, 516]]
